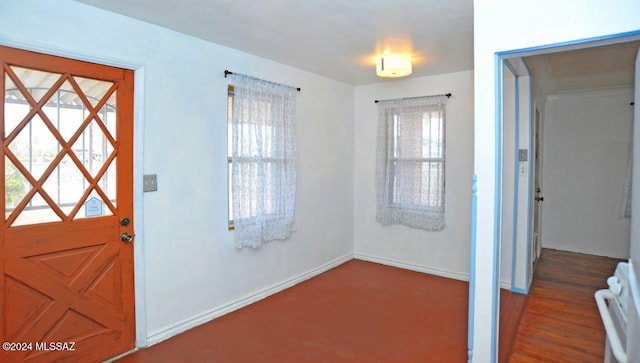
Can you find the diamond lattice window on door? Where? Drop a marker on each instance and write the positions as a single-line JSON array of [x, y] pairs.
[[59, 139]]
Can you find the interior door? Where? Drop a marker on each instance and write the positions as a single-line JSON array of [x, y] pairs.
[[66, 257]]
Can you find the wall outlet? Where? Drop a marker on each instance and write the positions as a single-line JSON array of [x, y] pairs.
[[150, 183], [523, 169]]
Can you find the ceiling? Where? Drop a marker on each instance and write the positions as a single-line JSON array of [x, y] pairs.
[[605, 66], [340, 39]]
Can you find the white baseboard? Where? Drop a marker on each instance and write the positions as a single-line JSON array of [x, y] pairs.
[[428, 270], [186, 324], [412, 267]]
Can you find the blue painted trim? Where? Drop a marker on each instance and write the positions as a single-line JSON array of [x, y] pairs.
[[542, 48], [497, 221], [472, 266], [516, 184], [520, 291]]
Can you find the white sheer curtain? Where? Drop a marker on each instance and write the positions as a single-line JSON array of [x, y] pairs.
[[263, 171], [410, 162]]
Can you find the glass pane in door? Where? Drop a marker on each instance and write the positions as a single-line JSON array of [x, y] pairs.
[[60, 147]]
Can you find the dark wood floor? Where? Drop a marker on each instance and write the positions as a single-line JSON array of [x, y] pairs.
[[366, 312], [512, 307], [561, 322]]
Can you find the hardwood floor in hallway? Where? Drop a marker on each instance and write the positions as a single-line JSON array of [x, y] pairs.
[[561, 322]]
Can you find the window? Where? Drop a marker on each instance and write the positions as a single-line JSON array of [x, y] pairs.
[[66, 139], [229, 154], [410, 168], [261, 160]]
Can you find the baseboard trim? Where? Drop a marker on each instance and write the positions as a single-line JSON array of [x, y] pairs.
[[412, 267], [184, 325]]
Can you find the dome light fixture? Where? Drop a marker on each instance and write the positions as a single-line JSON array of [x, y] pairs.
[[394, 65]]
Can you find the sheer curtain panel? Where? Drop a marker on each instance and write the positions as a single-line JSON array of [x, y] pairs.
[[263, 170], [410, 162]]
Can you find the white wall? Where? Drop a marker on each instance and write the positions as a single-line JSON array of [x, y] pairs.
[[587, 147], [192, 270], [634, 273], [445, 252], [504, 25], [523, 227], [516, 181], [509, 157]]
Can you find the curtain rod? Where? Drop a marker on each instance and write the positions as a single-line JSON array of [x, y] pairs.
[[445, 94], [227, 72]]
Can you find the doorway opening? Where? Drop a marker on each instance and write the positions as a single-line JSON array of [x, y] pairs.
[[538, 87]]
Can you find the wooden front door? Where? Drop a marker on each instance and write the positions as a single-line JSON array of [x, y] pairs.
[[66, 255]]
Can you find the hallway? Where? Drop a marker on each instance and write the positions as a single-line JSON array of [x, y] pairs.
[[561, 322]]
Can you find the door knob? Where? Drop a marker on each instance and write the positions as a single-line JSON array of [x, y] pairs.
[[126, 237]]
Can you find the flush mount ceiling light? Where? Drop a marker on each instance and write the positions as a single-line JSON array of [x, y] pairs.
[[394, 65]]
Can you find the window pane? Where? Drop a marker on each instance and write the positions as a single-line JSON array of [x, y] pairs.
[[229, 120], [229, 191], [408, 182], [41, 144], [416, 139], [409, 135], [249, 188], [274, 187], [432, 181], [16, 186], [432, 135]]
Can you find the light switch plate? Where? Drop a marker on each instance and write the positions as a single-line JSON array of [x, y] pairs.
[[150, 183], [523, 155]]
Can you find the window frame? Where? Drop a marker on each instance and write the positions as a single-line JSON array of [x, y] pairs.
[[392, 146], [275, 160], [411, 162]]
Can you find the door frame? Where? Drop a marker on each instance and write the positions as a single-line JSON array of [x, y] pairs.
[[500, 59], [537, 126], [138, 167]]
